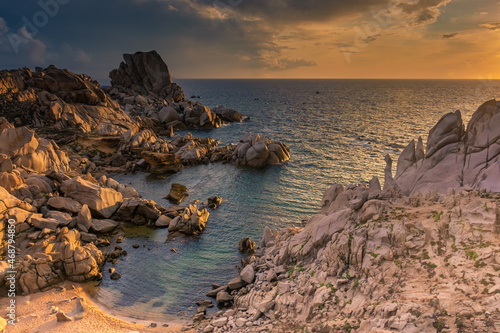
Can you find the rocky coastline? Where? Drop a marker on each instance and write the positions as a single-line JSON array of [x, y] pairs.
[[419, 254], [61, 133]]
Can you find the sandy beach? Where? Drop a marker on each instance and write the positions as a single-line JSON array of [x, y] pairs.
[[35, 315]]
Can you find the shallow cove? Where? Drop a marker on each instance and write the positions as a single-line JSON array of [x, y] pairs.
[[156, 281]]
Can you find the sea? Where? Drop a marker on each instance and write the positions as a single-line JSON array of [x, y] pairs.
[[338, 131]]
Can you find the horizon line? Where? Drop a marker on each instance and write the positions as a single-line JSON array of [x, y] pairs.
[[330, 78]]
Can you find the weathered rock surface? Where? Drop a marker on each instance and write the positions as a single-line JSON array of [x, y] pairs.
[[177, 193], [24, 148], [146, 72], [102, 201], [138, 211], [162, 163], [455, 157], [61, 100], [258, 151]]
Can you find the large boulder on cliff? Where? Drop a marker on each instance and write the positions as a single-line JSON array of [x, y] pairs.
[[58, 99], [455, 157], [103, 202], [146, 72], [258, 151]]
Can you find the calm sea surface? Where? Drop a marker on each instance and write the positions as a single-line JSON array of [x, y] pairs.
[[338, 131]]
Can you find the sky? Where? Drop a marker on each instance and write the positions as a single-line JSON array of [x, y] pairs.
[[448, 39]]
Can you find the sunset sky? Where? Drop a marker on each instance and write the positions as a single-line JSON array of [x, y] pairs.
[[259, 38]]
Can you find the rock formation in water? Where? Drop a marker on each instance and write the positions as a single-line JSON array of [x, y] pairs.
[[455, 156], [257, 151]]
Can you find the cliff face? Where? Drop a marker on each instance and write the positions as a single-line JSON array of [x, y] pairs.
[[455, 157]]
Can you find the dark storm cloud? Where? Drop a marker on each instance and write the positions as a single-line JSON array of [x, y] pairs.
[[298, 11], [90, 36]]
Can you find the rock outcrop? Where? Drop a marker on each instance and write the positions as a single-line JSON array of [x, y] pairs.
[[58, 100], [21, 146], [385, 265], [146, 72], [258, 151], [143, 86], [455, 157], [177, 193]]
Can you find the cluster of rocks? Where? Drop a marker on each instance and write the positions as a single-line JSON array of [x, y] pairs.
[[144, 88], [60, 221], [61, 102], [380, 260], [257, 151], [22, 146]]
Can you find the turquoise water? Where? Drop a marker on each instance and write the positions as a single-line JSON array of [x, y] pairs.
[[338, 135]]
